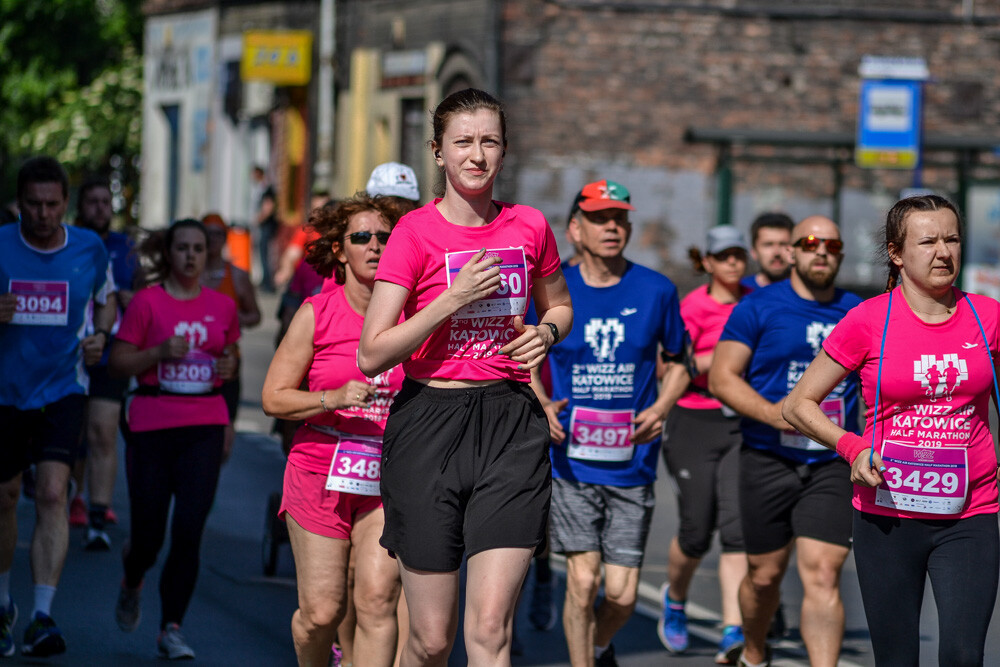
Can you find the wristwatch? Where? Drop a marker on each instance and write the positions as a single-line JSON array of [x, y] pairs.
[[555, 332]]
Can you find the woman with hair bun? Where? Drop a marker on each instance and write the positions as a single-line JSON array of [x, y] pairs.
[[178, 339], [465, 467], [925, 470]]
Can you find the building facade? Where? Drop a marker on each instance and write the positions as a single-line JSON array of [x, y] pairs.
[[708, 111]]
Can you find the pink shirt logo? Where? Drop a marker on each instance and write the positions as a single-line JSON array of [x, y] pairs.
[[940, 377]]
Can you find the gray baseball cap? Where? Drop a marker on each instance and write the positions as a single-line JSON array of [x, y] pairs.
[[724, 237]]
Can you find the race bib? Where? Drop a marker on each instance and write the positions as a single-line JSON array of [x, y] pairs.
[[922, 479], [510, 299], [193, 374], [600, 435], [356, 466], [40, 302], [833, 408]]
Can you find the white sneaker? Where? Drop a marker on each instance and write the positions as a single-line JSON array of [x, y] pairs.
[[171, 645]]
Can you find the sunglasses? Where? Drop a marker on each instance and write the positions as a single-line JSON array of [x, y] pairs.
[[812, 243], [362, 238]]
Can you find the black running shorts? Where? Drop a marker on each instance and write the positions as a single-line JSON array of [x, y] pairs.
[[464, 471]]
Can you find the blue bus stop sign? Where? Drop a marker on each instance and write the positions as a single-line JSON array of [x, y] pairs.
[[888, 124]]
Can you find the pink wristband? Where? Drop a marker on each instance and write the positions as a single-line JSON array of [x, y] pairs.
[[850, 445]]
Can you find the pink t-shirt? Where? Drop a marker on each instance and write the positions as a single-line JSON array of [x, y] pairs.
[[209, 322], [704, 318], [425, 251], [335, 361], [933, 422]]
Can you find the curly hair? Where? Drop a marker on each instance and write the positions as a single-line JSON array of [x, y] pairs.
[[331, 222], [895, 227]]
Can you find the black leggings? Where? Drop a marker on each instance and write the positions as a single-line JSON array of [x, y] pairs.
[[183, 464], [894, 556]]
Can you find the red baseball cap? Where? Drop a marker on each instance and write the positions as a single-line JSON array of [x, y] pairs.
[[601, 195]]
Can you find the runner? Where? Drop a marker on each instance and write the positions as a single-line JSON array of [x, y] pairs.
[[179, 340], [770, 247], [331, 497], [223, 276], [51, 275], [460, 271], [925, 500], [100, 455], [701, 446], [793, 492], [605, 419]]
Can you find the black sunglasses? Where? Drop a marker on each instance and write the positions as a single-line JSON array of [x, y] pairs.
[[811, 244], [362, 238]]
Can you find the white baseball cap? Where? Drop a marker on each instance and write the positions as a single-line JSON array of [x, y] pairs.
[[393, 179]]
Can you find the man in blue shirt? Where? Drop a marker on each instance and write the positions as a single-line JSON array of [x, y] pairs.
[[100, 459], [770, 247], [54, 285], [605, 418], [793, 491]]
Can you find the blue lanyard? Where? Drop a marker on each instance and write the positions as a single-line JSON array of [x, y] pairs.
[[881, 356]]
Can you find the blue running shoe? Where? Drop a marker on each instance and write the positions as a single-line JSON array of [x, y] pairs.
[[43, 638], [8, 617], [731, 645], [673, 624]]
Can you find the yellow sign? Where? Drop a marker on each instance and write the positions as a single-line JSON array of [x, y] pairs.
[[283, 57]]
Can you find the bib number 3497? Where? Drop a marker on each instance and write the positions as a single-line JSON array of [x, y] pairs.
[[600, 435]]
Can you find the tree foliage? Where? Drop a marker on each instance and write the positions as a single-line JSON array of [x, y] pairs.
[[72, 81]]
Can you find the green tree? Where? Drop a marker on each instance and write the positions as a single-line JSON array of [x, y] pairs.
[[71, 82]]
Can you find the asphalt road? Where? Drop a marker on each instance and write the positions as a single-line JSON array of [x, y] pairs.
[[239, 616]]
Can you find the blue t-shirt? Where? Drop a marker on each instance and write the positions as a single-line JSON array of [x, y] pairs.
[[785, 333], [40, 356], [607, 363]]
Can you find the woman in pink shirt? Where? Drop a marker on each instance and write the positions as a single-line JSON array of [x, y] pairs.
[[179, 341], [701, 446], [330, 499], [465, 466], [925, 471]]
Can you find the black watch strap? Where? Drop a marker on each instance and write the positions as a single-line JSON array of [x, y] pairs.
[[555, 332]]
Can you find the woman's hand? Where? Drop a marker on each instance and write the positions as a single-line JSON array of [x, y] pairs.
[[227, 365], [477, 279], [354, 394], [865, 474], [174, 347], [530, 348]]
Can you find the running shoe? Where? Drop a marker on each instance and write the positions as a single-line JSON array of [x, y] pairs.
[[8, 617], [43, 638], [78, 512], [171, 645], [542, 610], [731, 645], [606, 659], [336, 656], [128, 610], [111, 517], [96, 540], [767, 659], [673, 625]]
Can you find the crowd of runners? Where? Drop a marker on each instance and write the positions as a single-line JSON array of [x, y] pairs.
[[458, 395]]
